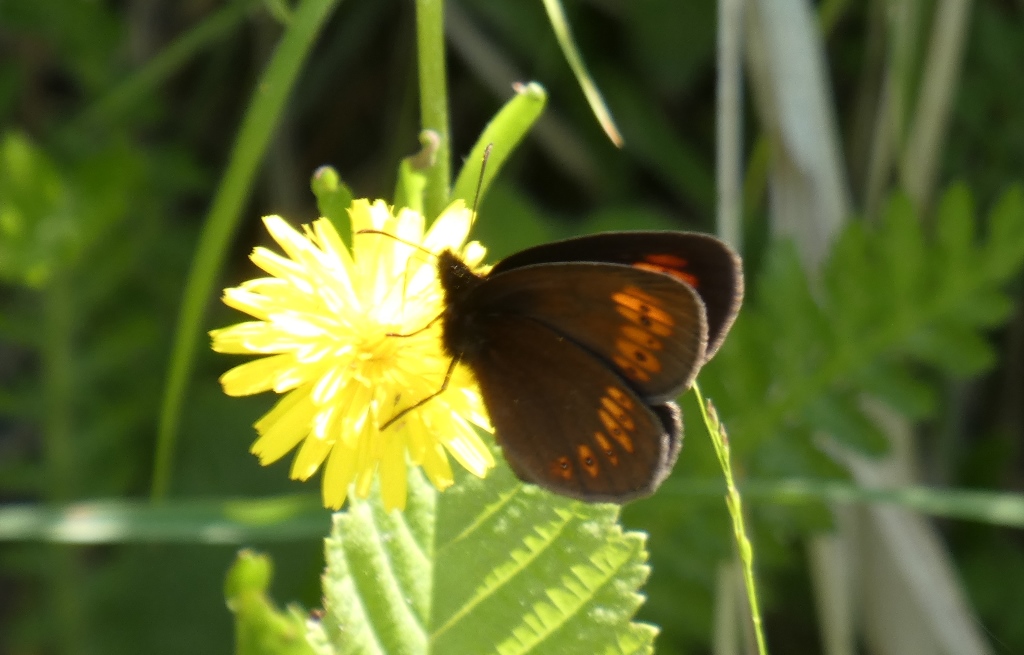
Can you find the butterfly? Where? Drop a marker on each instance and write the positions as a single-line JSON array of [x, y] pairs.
[[580, 346]]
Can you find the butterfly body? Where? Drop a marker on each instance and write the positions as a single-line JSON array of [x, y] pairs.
[[459, 328], [579, 347]]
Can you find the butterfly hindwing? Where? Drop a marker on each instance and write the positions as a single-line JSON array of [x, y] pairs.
[[646, 326], [564, 419], [700, 260]]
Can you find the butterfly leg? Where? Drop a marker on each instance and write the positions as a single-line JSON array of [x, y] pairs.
[[424, 401], [422, 329]]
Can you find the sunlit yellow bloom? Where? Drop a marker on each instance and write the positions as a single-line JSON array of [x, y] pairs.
[[324, 320]]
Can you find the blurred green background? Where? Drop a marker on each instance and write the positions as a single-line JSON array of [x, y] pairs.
[[104, 186]]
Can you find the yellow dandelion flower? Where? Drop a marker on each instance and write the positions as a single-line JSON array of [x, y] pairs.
[[351, 340]]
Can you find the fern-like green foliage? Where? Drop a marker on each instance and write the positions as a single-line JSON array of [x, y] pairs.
[[489, 566], [898, 307], [88, 262], [894, 301]]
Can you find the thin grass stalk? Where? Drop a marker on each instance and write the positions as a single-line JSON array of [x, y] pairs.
[[940, 80], [733, 501], [63, 575], [264, 113]]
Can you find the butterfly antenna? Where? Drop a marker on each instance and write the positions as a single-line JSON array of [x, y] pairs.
[[480, 182], [398, 239]]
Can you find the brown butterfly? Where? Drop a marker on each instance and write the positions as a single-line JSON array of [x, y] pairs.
[[581, 346]]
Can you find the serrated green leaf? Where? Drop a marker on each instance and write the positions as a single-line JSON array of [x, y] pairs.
[[955, 227], [900, 389], [841, 417], [489, 566], [1004, 247], [900, 247], [957, 349], [985, 307], [36, 225], [851, 282], [794, 322]]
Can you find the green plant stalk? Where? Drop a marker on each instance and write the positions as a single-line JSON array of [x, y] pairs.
[[939, 85], [729, 112], [162, 66], [58, 389], [720, 440], [301, 517], [58, 384], [434, 101], [263, 114]]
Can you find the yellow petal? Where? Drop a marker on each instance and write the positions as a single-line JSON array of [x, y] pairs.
[[473, 253], [450, 229], [435, 465], [294, 244], [281, 267], [256, 376], [283, 427], [252, 337], [338, 475], [468, 450], [309, 458], [393, 475]]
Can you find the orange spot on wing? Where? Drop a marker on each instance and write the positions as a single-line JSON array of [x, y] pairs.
[[644, 321], [670, 265], [630, 369], [625, 441], [643, 309], [620, 398], [668, 261], [606, 448], [641, 337], [562, 468], [638, 355], [587, 460], [614, 415]]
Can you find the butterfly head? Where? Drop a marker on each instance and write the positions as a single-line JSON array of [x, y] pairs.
[[458, 281], [457, 278]]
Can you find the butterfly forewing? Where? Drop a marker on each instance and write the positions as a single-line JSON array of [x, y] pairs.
[[564, 419], [647, 326], [700, 260]]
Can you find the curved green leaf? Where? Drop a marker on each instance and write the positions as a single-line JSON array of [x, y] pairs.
[[505, 131], [560, 24]]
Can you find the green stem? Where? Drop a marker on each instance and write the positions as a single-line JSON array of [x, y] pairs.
[[265, 109], [434, 101], [729, 112], [58, 392], [735, 504], [61, 462]]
